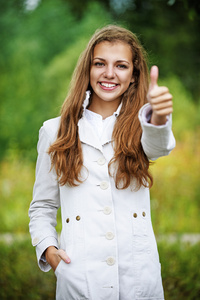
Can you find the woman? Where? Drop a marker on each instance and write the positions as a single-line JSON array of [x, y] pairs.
[[93, 161]]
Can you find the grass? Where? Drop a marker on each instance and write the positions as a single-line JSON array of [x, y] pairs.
[[176, 191], [16, 184], [180, 271], [20, 277]]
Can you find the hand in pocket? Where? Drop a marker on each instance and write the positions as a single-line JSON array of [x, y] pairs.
[[54, 256]]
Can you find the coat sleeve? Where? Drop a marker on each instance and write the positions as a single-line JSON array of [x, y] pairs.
[[45, 203], [156, 141]]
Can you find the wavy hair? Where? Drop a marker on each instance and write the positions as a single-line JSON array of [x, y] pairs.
[[129, 161]]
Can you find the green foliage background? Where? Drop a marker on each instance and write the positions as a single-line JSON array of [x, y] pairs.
[[39, 50]]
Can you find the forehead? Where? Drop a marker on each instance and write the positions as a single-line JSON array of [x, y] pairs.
[[116, 49]]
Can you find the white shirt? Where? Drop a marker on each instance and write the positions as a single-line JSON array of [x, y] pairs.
[[98, 123]]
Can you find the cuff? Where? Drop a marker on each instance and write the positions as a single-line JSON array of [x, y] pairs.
[[145, 113], [40, 249]]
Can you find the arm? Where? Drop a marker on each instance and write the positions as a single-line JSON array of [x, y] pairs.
[[156, 141], [43, 208], [156, 120]]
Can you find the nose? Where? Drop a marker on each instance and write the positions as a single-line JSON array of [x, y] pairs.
[[109, 72]]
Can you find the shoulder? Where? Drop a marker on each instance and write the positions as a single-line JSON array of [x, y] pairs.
[[50, 127]]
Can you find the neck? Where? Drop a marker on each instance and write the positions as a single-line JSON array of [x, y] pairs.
[[103, 108]]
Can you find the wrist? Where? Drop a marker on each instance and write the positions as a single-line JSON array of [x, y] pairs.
[[158, 120], [48, 252]]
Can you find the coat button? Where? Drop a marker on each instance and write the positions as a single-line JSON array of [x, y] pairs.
[[144, 214], [107, 210], [110, 261], [104, 185], [109, 235], [135, 215], [101, 161], [78, 218], [35, 241], [67, 220]]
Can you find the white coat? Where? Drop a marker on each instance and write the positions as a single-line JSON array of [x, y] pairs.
[[106, 232]]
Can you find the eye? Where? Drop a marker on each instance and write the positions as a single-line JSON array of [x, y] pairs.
[[98, 64], [121, 66]]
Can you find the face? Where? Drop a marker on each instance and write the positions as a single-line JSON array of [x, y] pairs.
[[111, 71]]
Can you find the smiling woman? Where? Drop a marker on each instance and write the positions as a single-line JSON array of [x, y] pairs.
[[93, 161]]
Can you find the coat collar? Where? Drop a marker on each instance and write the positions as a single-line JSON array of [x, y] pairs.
[[87, 133]]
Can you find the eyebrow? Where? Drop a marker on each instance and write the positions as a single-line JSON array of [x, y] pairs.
[[118, 61]]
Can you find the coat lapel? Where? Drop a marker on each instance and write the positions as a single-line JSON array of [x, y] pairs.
[[87, 134]]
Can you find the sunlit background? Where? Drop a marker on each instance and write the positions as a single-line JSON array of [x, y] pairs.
[[40, 44]]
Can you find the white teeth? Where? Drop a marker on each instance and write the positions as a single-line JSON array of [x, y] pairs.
[[108, 85]]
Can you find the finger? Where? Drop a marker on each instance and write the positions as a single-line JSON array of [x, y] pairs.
[[158, 91], [162, 98], [164, 111], [162, 105], [153, 77], [63, 255]]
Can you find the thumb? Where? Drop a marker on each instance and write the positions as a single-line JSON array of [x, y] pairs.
[[153, 77]]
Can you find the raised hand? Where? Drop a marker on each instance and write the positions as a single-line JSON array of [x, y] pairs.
[[159, 98]]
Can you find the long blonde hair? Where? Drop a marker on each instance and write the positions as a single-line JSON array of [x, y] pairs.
[[129, 158]]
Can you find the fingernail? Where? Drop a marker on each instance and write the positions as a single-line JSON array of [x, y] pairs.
[[68, 260]]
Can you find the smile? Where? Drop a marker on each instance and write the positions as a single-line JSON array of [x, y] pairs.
[[108, 86]]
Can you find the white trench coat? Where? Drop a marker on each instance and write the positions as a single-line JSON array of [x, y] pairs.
[[106, 232]]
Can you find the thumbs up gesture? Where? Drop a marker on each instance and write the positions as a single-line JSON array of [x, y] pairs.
[[159, 98]]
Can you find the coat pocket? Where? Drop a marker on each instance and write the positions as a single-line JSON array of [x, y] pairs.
[[140, 233], [147, 269], [71, 278], [73, 230], [149, 282]]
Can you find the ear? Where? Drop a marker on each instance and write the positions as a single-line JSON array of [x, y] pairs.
[[132, 79]]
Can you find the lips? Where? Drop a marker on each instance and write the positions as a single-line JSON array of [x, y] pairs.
[[108, 85]]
